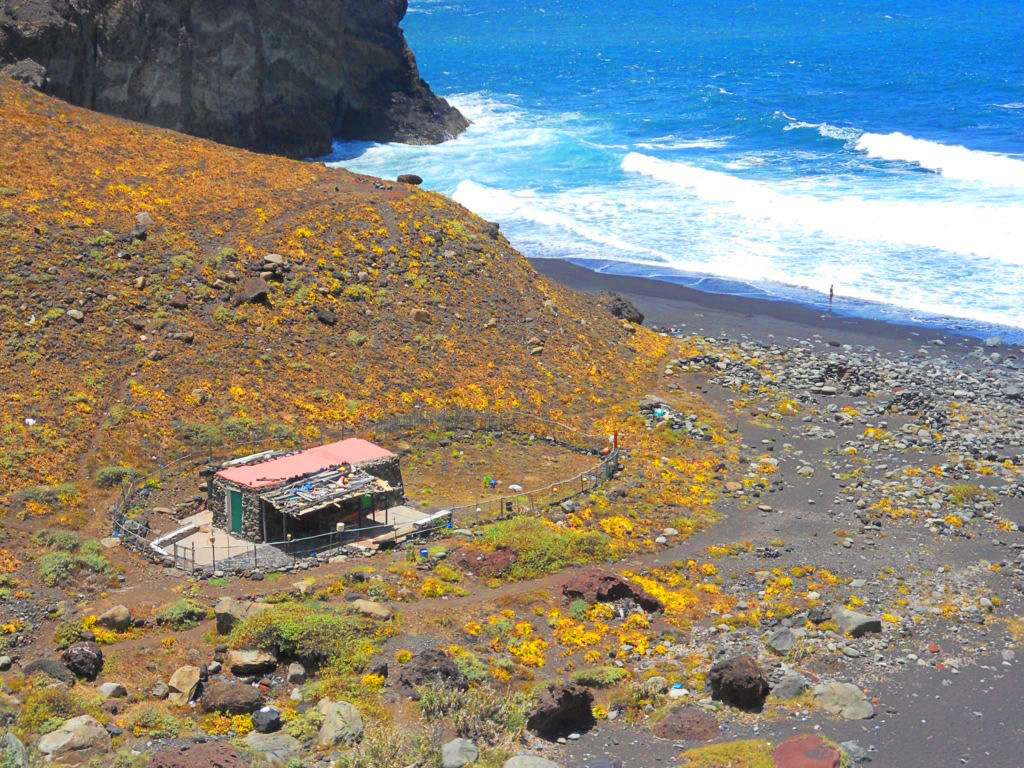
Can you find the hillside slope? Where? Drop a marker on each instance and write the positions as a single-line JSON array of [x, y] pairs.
[[271, 76], [122, 349]]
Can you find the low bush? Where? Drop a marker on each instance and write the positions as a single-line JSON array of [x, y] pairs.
[[542, 547], [61, 568], [45, 708], [199, 434], [61, 541], [599, 677], [480, 714], [387, 747], [183, 613], [305, 631], [154, 721], [113, 476]]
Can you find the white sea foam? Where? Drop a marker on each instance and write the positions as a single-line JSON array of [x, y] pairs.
[[1011, 105], [673, 142], [824, 129], [953, 162]]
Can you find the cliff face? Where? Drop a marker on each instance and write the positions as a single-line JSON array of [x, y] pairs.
[[282, 76]]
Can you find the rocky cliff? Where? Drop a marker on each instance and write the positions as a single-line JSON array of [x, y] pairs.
[[282, 76]]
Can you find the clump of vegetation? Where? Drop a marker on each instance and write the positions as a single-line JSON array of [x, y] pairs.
[[183, 613], [754, 753], [387, 747], [46, 707], [962, 494], [542, 547], [358, 292], [112, 476], [356, 339], [49, 495], [599, 677], [199, 434], [55, 539], [480, 714], [154, 721], [62, 568], [301, 631]]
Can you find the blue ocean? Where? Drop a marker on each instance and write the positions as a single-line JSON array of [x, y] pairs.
[[769, 148]]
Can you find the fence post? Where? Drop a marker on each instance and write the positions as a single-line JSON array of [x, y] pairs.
[[254, 563], [193, 557]]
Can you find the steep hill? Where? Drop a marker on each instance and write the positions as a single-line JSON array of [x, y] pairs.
[[270, 76], [135, 320]]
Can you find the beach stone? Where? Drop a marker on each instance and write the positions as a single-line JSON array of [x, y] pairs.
[[843, 699], [5, 663], [458, 753], [52, 669], [246, 663], [76, 742], [183, 685], [372, 609], [529, 761], [117, 619], [342, 723], [231, 697], [806, 751], [687, 724], [561, 709], [855, 624], [781, 641], [791, 685], [213, 754], [266, 720], [84, 659], [275, 748], [739, 682]]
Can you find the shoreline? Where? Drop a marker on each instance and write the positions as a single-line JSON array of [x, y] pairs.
[[668, 305]]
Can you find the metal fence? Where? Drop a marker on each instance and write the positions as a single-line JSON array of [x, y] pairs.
[[191, 558]]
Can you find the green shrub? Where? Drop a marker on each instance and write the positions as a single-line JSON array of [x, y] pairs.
[[387, 747], [60, 568], [358, 292], [544, 548], [356, 339], [199, 434], [480, 714], [305, 725], [50, 495], [113, 476], [104, 238], [62, 541], [183, 613], [578, 609], [45, 708], [599, 677], [302, 631], [154, 722]]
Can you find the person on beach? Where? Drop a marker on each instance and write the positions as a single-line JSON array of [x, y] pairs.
[[831, 295]]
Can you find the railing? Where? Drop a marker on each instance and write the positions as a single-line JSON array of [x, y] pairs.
[[530, 501]]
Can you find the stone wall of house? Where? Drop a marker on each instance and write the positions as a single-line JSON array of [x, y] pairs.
[[389, 470], [252, 523]]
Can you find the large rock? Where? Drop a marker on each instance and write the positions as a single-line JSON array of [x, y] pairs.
[[342, 723], [529, 761], [372, 609], [213, 754], [276, 749], [231, 697], [844, 699], [596, 585], [790, 685], [26, 71], [429, 668], [117, 619], [686, 724], [855, 624], [230, 611], [184, 685], [76, 742], [459, 753], [739, 682], [245, 74], [561, 710], [84, 659], [52, 669], [255, 290], [806, 751], [246, 663], [13, 752], [623, 308]]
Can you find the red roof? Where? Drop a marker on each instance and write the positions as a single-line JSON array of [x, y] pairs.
[[277, 471]]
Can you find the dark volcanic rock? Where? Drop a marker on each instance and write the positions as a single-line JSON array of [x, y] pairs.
[[84, 659], [26, 71], [740, 682], [806, 751], [429, 668], [284, 79], [687, 724], [231, 697], [561, 710], [254, 291], [410, 178], [596, 585], [50, 668], [214, 754], [490, 565], [623, 307]]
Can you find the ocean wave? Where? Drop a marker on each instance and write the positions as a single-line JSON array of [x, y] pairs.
[[1011, 105], [825, 130], [951, 161], [989, 231], [673, 142]]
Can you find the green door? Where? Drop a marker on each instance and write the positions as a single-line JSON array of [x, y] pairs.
[[236, 511]]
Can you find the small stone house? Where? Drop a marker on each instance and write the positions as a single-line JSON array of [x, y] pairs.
[[276, 496]]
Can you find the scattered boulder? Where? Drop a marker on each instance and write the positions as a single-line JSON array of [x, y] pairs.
[[52, 669], [76, 742], [160, 691], [739, 682], [325, 316], [76, 314], [623, 308], [791, 685], [596, 585], [184, 685], [276, 749], [529, 761], [113, 691], [342, 723], [459, 753], [143, 223], [429, 667], [687, 724], [781, 641], [855, 624], [254, 290], [231, 697], [372, 609], [296, 673], [247, 663], [561, 709], [117, 619], [266, 720], [26, 72], [409, 178], [84, 659], [212, 754], [844, 699], [12, 752], [178, 300], [806, 751], [422, 316]]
